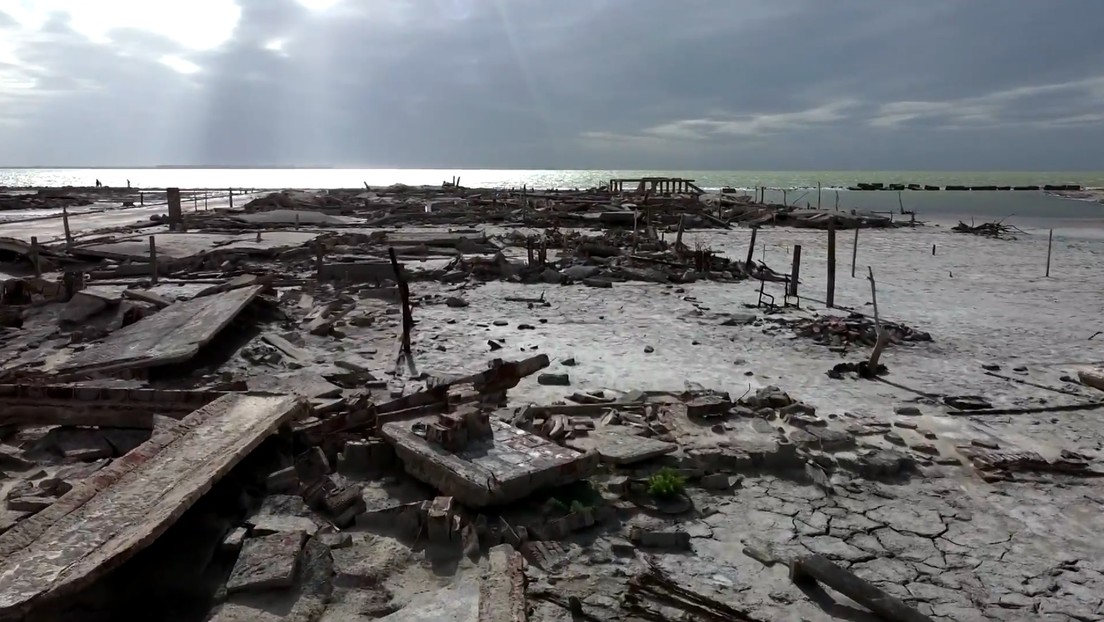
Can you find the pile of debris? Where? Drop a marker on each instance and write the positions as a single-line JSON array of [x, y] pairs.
[[997, 230], [854, 329], [45, 198]]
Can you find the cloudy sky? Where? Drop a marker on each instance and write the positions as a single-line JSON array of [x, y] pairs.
[[683, 84]]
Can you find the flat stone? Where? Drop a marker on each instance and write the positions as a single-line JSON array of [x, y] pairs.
[[679, 540], [907, 411], [266, 562], [620, 448], [234, 540]]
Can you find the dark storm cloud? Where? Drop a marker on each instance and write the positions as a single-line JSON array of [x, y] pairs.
[[576, 83]]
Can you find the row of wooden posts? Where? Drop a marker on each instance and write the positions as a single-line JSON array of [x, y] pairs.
[[830, 298]]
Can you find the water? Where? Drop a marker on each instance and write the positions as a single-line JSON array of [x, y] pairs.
[[500, 178], [1028, 210]]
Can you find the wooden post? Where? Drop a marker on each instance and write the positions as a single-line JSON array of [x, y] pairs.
[[141, 198], [855, 252], [883, 338], [785, 201], [205, 193], [678, 238], [795, 271], [34, 257], [176, 217], [231, 198], [933, 250], [153, 259], [195, 201], [818, 195], [837, 200], [404, 297], [751, 247], [831, 298], [65, 224], [1050, 242], [296, 221], [822, 569], [636, 228]]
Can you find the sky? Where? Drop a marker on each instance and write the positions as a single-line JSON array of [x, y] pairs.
[[620, 84]]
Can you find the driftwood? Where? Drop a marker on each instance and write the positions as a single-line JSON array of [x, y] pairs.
[[654, 585], [997, 230], [820, 568], [883, 339]]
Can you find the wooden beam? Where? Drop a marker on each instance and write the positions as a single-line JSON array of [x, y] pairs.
[[819, 568], [107, 518]]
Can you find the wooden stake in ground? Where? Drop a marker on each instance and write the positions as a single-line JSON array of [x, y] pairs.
[[795, 271], [818, 195], [831, 298], [153, 259], [1050, 242], [854, 252], [34, 257], [65, 223], [883, 338], [678, 238], [404, 296], [819, 568], [751, 248]]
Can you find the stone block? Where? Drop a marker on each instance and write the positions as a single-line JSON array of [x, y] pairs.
[[707, 406], [234, 540], [678, 540], [718, 481], [550, 379], [267, 562]]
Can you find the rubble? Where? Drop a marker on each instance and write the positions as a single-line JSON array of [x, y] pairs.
[[325, 413]]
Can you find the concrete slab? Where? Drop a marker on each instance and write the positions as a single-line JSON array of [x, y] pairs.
[[188, 245], [458, 602], [173, 335], [617, 447], [107, 518], [507, 467], [291, 216], [301, 383]]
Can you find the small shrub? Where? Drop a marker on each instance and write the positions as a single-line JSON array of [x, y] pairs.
[[577, 506], [666, 483]]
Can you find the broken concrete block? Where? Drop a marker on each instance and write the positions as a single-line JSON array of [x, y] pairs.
[[336, 540], [618, 485], [797, 408], [439, 521], [267, 562], [456, 302], [11, 459], [33, 503], [707, 405], [561, 380], [284, 480], [719, 481], [622, 548], [598, 282], [679, 540], [234, 540]]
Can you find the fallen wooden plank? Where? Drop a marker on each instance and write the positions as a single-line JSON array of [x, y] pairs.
[[110, 516], [1029, 411], [173, 335], [147, 296], [287, 348], [843, 581], [95, 406]]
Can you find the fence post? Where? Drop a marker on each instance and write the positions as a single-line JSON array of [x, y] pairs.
[[831, 298], [34, 257], [855, 252], [153, 259], [751, 247], [65, 223], [1050, 242], [795, 271], [231, 198]]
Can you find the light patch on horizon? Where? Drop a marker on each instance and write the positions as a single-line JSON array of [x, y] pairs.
[[180, 65], [194, 24], [276, 46]]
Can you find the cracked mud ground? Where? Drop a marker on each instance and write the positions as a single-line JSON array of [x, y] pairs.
[[955, 552]]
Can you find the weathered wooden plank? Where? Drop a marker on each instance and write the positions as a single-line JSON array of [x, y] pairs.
[[124, 507], [173, 335], [96, 406]]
